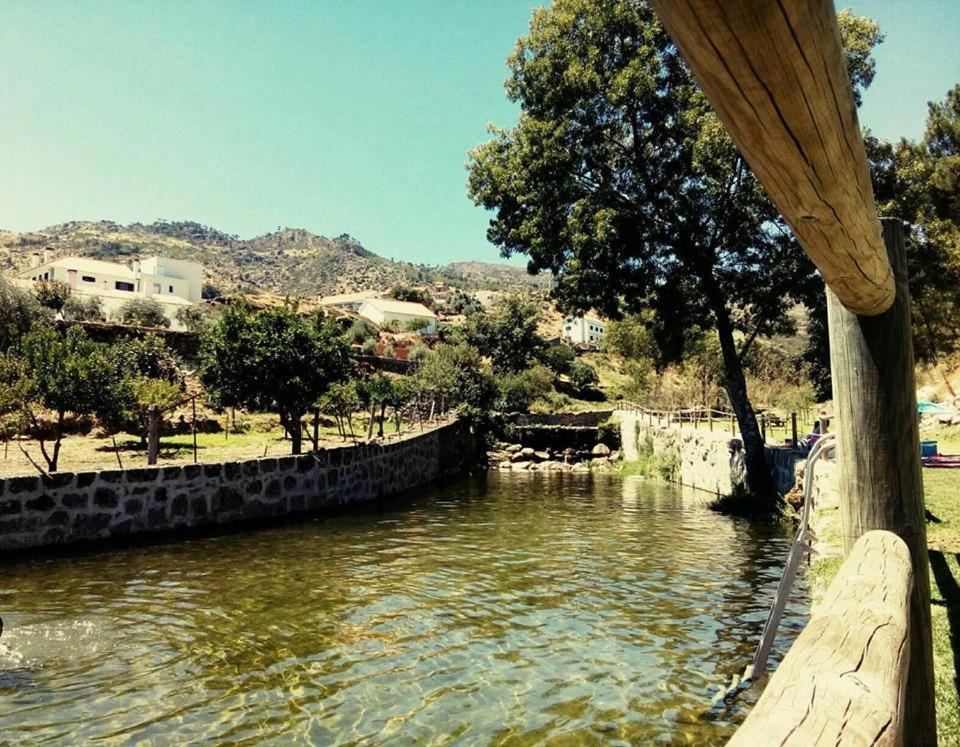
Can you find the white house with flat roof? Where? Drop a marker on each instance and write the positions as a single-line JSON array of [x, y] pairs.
[[175, 283], [382, 311], [348, 301], [583, 330]]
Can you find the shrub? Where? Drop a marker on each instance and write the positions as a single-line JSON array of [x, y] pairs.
[[143, 312], [559, 358], [519, 391], [84, 308], [19, 309], [609, 433], [418, 353], [361, 331], [582, 375], [195, 318], [369, 347]]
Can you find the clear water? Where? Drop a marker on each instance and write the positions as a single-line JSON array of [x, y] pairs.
[[504, 609]]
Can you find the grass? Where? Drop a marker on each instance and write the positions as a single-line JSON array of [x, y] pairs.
[[258, 435], [942, 496]]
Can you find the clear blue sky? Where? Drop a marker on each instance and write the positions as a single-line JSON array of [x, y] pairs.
[[328, 115]]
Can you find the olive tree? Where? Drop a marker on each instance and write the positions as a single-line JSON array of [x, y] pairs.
[[273, 361]]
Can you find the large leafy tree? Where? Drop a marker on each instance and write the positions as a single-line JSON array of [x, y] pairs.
[[508, 335], [919, 182], [275, 361], [620, 179]]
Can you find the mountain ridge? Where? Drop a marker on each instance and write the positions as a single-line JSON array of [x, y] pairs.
[[291, 261]]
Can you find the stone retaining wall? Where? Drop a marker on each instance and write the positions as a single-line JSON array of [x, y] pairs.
[[70, 507], [584, 418], [713, 461]]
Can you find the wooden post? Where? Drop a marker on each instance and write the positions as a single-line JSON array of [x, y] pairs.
[[153, 434], [733, 425], [373, 409], [710, 417], [194, 429], [881, 486], [316, 428], [793, 429], [763, 427]]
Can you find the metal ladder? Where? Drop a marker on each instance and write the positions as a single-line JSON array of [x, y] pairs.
[[801, 546]]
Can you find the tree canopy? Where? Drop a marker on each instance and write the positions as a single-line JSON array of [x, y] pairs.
[[621, 180]]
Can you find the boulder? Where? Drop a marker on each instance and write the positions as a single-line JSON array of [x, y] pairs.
[[527, 452], [513, 448], [600, 450], [541, 456], [505, 465], [518, 457], [521, 465]]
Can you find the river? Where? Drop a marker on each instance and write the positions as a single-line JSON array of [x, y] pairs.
[[500, 609]]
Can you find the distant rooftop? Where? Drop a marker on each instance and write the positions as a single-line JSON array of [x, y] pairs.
[[390, 306]]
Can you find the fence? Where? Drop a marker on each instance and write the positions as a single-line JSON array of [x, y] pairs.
[[717, 418]]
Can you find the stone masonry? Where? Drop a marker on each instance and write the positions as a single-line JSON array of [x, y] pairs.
[[68, 507]]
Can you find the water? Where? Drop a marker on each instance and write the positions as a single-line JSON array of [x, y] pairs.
[[503, 609]]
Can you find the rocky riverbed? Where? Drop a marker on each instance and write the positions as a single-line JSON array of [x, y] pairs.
[[507, 456]]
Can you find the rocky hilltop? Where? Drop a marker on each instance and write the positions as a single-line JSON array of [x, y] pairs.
[[288, 261]]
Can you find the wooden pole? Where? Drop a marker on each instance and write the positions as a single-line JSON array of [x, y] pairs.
[[710, 417], [793, 429], [193, 402], [881, 486], [153, 434], [763, 427], [776, 76]]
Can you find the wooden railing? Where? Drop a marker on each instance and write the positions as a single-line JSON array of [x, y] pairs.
[[843, 681]]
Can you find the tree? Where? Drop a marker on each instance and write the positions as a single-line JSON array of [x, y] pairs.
[[377, 392], [154, 377], [195, 318], [453, 375], [273, 360], [59, 374], [582, 375], [508, 335], [518, 391], [143, 312], [401, 292], [52, 294], [630, 338], [341, 401], [559, 358], [919, 182], [84, 308], [19, 310], [621, 180]]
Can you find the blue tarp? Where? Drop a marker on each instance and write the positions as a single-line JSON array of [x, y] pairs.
[[932, 408]]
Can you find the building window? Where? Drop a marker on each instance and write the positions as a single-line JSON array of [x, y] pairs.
[[169, 289], [88, 278], [120, 285], [156, 287]]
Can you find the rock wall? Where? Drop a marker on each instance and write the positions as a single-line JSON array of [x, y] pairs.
[[582, 419], [713, 461], [70, 507]]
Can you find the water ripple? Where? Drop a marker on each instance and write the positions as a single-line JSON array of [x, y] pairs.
[[504, 609]]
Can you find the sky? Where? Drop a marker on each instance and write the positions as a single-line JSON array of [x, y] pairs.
[[338, 117]]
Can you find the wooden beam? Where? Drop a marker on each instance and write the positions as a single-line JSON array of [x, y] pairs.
[[775, 74], [878, 456], [842, 681]]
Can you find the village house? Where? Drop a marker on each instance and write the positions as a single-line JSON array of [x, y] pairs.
[[583, 330], [347, 301], [382, 311], [174, 283]]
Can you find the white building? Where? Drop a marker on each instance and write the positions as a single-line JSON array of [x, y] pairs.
[[175, 283], [384, 310], [348, 301], [583, 330]]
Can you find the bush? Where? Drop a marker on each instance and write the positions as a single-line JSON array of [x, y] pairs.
[[416, 325], [369, 347], [195, 318], [19, 309], [418, 353], [559, 358], [582, 375], [143, 312], [361, 331], [84, 308], [519, 391], [609, 433]]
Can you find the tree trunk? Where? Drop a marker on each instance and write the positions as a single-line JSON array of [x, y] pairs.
[[383, 414], [296, 434], [759, 478]]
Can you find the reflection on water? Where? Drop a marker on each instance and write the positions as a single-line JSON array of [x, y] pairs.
[[511, 609]]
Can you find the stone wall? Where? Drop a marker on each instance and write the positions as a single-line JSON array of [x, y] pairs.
[[713, 461], [69, 507], [582, 419]]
